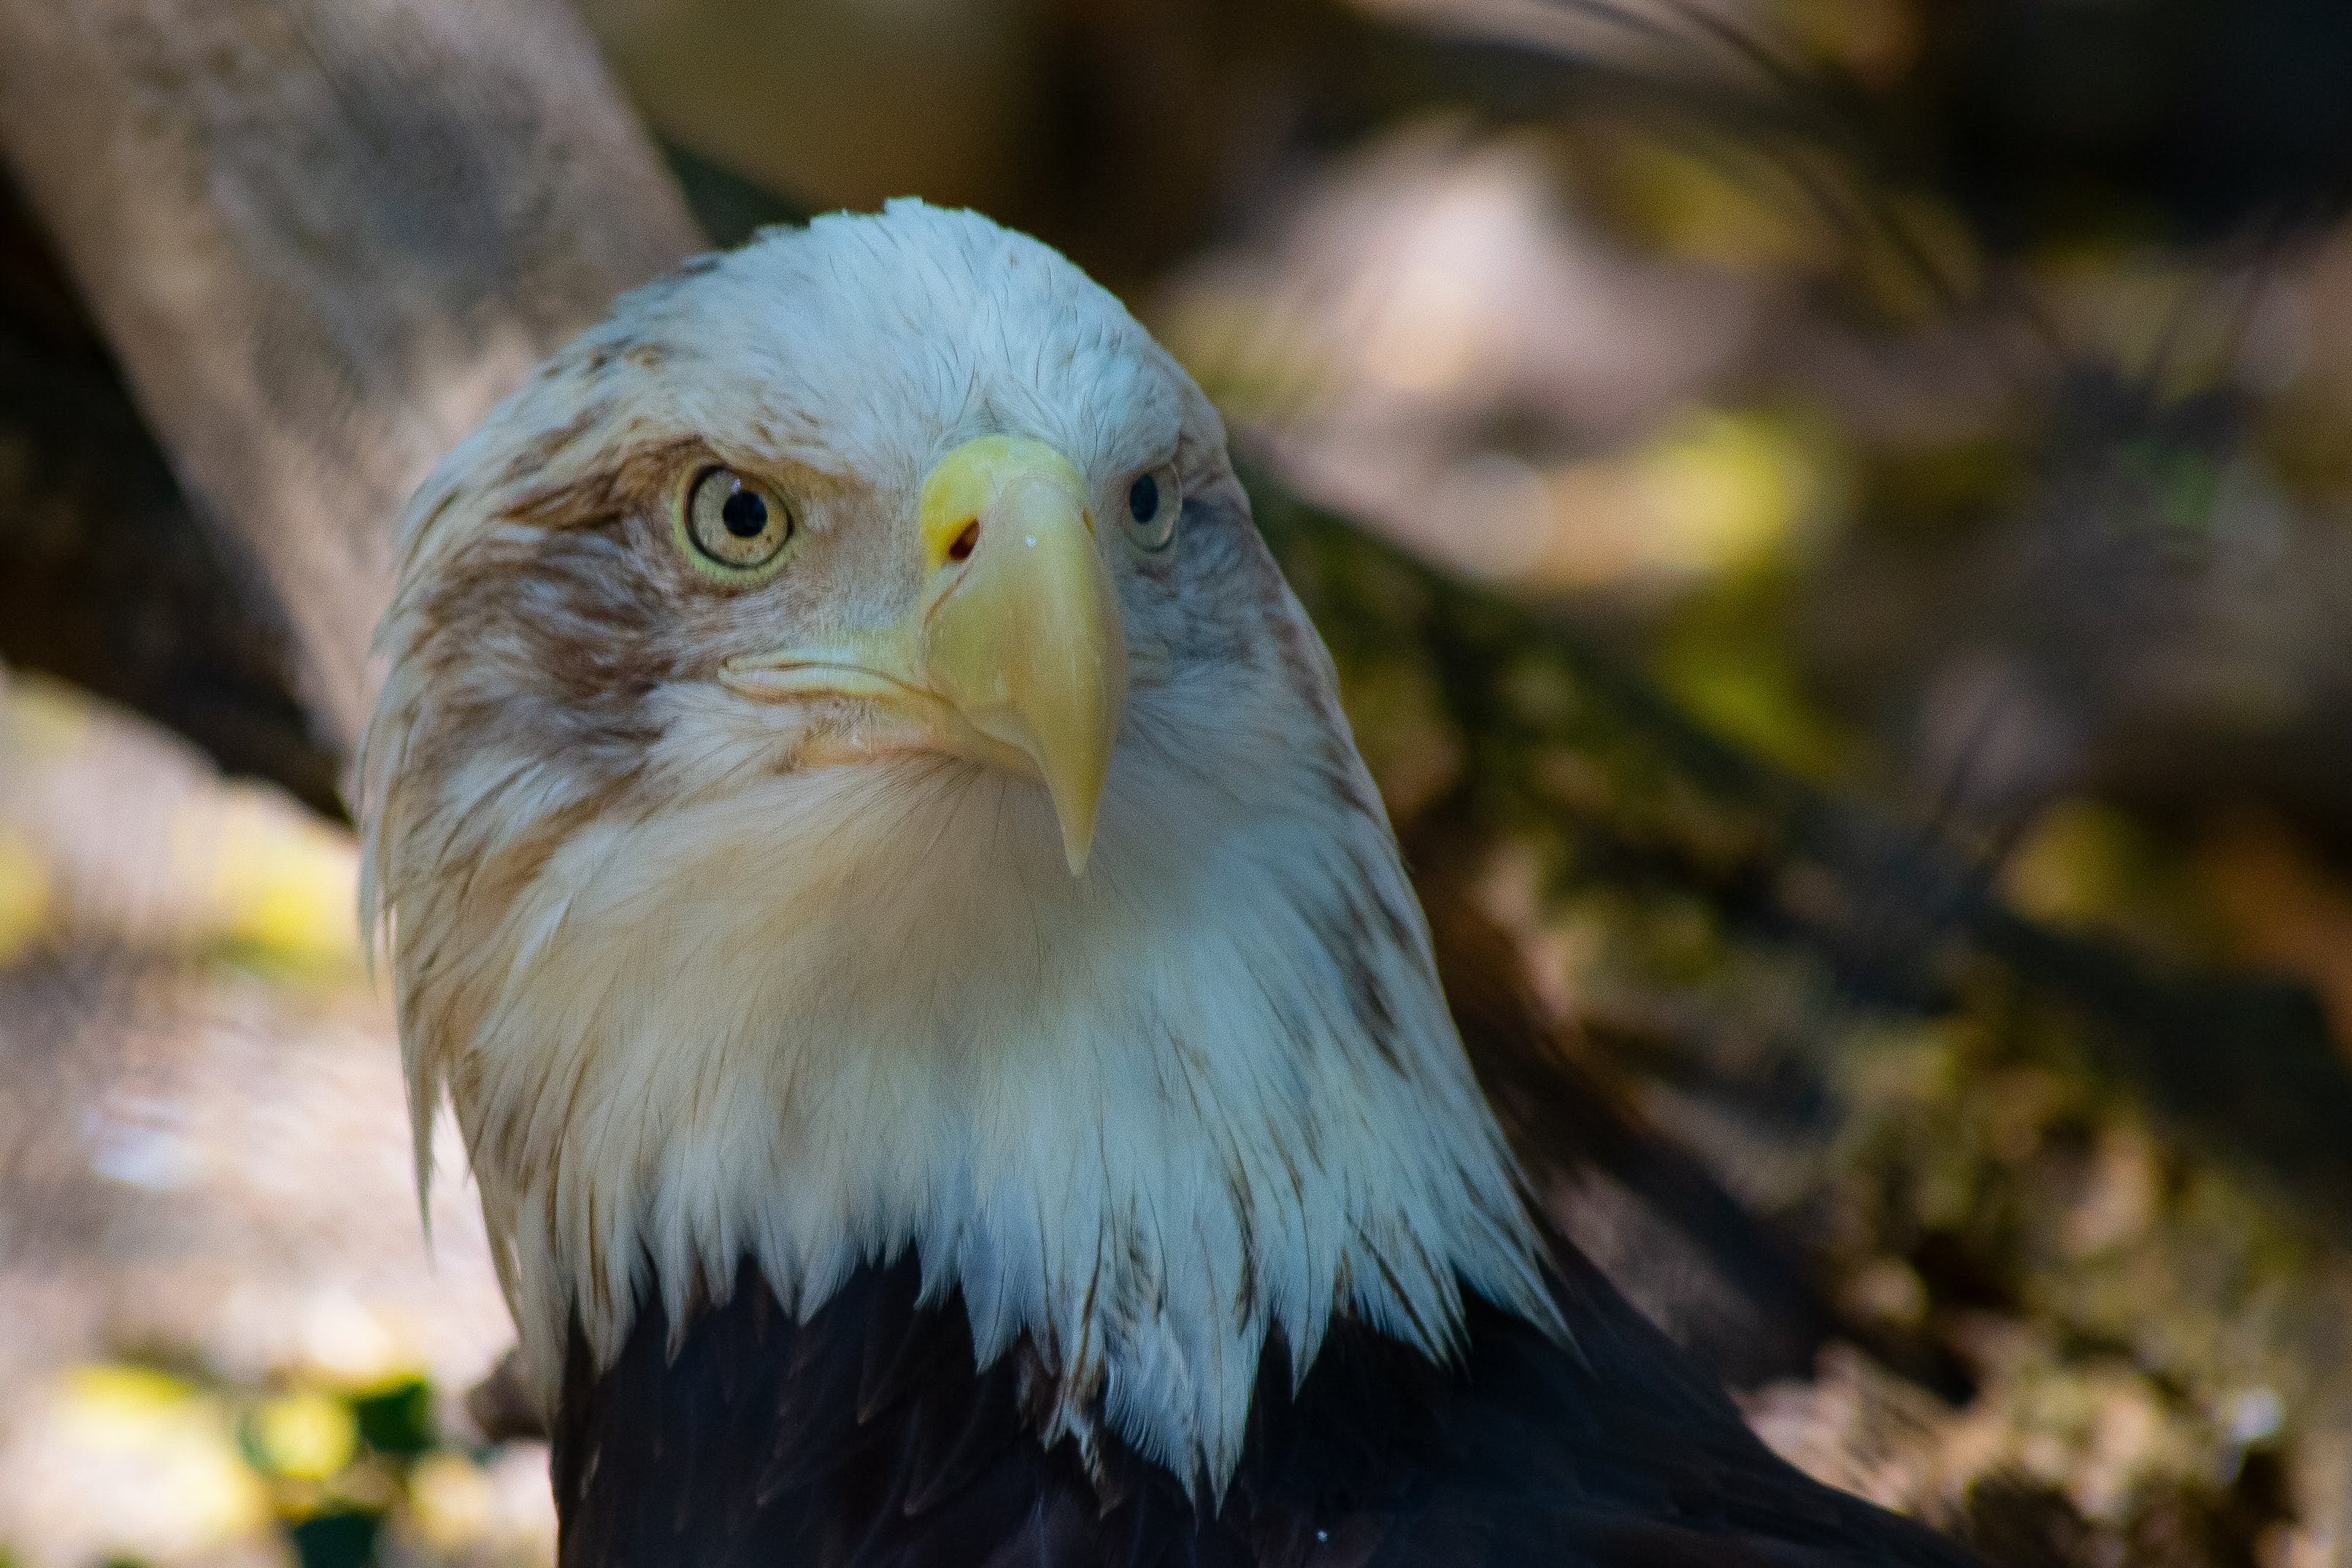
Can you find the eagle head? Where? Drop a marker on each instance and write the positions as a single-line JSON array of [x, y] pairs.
[[849, 778]]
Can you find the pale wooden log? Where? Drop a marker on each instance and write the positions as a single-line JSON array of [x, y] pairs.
[[323, 237]]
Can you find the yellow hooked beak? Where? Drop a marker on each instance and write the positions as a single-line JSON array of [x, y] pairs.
[[1015, 654]]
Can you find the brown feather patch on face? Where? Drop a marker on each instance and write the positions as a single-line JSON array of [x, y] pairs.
[[549, 630]]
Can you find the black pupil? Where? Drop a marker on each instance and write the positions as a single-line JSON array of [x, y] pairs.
[[745, 514], [1143, 499]]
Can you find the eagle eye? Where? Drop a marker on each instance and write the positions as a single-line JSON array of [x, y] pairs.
[[1153, 502], [733, 527]]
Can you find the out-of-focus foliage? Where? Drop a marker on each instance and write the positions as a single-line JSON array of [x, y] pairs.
[[147, 1464], [227, 1342]]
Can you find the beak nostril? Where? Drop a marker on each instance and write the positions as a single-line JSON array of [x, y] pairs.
[[961, 549]]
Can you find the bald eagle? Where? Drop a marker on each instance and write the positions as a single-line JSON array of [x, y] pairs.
[[952, 1061]]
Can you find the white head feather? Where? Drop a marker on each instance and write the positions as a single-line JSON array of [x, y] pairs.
[[697, 1000]]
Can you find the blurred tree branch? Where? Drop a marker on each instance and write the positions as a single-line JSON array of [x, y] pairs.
[[105, 578], [321, 237]]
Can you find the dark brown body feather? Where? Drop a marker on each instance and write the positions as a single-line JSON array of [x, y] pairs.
[[868, 1436]]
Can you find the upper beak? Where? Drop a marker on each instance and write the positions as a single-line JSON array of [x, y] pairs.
[[1013, 654]]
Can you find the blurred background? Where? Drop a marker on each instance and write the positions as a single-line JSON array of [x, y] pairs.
[[1836, 519]]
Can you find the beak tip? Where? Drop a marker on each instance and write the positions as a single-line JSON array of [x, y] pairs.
[[1077, 845]]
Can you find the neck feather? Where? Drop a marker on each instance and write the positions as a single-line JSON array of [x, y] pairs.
[[1143, 1118]]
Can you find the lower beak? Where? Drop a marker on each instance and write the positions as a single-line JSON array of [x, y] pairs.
[[1015, 654]]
